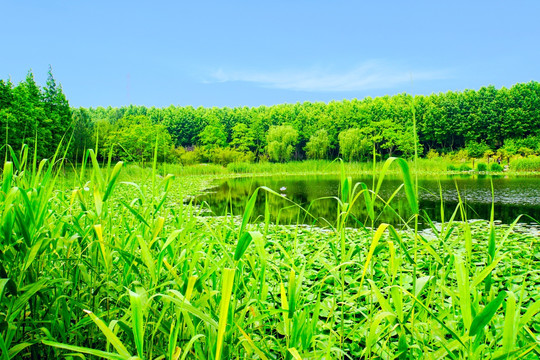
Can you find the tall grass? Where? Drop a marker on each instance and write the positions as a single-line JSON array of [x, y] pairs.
[[526, 164], [122, 270]]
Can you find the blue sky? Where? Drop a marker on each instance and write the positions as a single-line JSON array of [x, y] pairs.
[[251, 53]]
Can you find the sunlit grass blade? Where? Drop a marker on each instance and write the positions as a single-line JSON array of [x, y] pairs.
[[137, 320], [111, 337], [248, 211], [112, 180], [84, 350], [509, 330], [226, 291], [295, 354], [462, 275], [374, 242], [252, 344]]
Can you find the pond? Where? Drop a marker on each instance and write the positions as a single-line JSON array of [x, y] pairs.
[[513, 196]]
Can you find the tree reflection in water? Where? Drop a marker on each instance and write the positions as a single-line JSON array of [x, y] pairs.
[[513, 196]]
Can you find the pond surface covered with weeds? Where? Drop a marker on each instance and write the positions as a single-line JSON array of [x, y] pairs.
[[512, 196]]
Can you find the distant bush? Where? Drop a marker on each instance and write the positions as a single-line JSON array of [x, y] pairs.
[[526, 164], [481, 167], [464, 167], [460, 155], [225, 156], [432, 153], [451, 168], [191, 157], [496, 167]]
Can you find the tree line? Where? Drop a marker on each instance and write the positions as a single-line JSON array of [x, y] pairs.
[[478, 121]]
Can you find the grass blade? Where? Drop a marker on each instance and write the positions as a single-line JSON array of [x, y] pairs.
[[137, 319], [226, 291], [111, 337]]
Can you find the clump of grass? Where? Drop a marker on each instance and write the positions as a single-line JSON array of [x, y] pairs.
[[526, 164], [464, 167]]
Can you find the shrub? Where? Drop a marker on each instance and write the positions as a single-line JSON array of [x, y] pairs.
[[464, 167], [225, 156], [481, 167], [496, 167], [451, 168], [460, 155], [432, 153], [191, 157]]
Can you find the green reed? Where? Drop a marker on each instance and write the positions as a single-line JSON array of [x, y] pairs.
[[112, 265]]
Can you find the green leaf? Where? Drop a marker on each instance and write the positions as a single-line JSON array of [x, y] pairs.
[[244, 242], [98, 353], [248, 211], [112, 180], [226, 291], [9, 285], [111, 337], [137, 320], [486, 314]]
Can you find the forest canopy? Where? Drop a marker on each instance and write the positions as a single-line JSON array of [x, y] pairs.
[[479, 121]]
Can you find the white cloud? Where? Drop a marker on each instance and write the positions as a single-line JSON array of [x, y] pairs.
[[367, 76]]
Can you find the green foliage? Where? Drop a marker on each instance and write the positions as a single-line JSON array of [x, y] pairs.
[[117, 267], [464, 167], [476, 150], [194, 156], [448, 122], [451, 167], [281, 141], [28, 112], [432, 154], [481, 166], [473, 123], [524, 147], [242, 139], [135, 138], [212, 137], [318, 145], [354, 145], [526, 164], [495, 167], [225, 156]]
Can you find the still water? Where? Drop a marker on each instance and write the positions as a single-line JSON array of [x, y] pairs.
[[513, 196]]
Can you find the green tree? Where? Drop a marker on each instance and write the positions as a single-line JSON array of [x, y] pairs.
[[83, 129], [318, 144], [242, 139], [135, 138], [281, 141], [353, 144], [57, 112], [213, 136]]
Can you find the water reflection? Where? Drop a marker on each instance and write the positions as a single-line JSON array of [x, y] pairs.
[[512, 197]]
